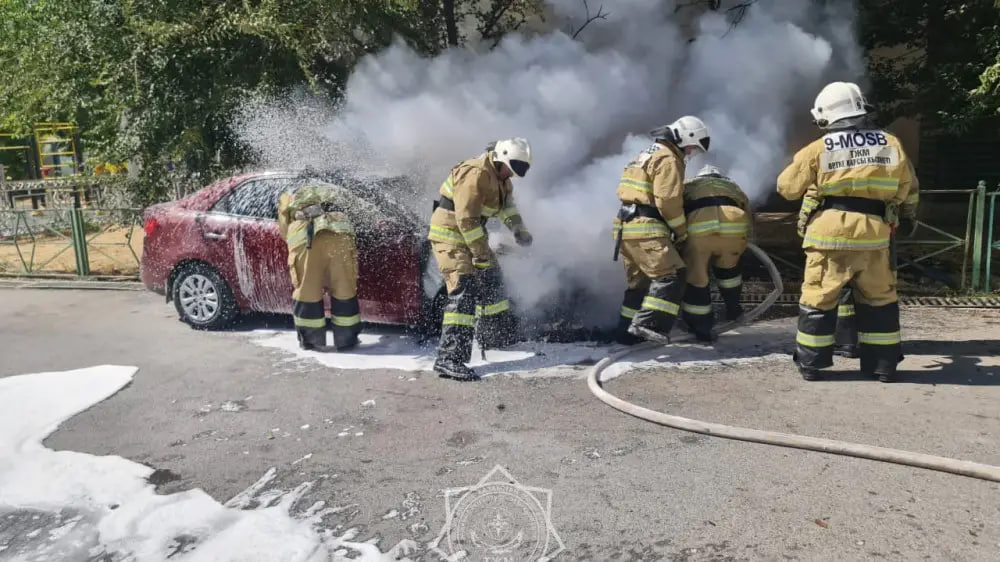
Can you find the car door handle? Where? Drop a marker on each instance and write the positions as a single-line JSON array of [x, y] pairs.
[[215, 235]]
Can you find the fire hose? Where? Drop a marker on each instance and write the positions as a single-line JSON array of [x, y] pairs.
[[920, 460]]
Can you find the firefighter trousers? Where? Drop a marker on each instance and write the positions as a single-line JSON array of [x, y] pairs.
[[654, 273], [846, 334], [477, 305], [331, 263], [722, 254], [873, 284]]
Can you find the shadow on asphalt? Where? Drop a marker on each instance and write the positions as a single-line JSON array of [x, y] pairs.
[[959, 364]]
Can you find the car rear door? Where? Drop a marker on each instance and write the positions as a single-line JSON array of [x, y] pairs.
[[260, 255]]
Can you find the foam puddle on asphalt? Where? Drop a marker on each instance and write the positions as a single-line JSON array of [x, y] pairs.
[[394, 351], [63, 505]]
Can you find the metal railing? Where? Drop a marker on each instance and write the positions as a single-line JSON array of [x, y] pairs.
[[964, 242], [950, 242], [101, 241], [992, 240]]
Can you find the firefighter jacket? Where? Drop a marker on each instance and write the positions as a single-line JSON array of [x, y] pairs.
[[724, 220], [475, 191], [857, 163], [654, 178], [309, 204]]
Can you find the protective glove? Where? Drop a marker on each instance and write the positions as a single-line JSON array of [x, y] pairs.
[[523, 237], [482, 263], [907, 227]]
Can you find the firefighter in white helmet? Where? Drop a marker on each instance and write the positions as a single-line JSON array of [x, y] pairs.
[[719, 224], [863, 184], [474, 191], [649, 226]]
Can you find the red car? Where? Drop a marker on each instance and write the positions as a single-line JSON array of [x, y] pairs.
[[218, 251]]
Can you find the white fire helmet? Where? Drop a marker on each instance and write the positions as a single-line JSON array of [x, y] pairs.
[[686, 131], [710, 171], [839, 101], [515, 153]]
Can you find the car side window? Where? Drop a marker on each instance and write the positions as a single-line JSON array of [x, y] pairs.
[[254, 198]]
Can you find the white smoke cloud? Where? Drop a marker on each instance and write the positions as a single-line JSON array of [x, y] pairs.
[[585, 106]]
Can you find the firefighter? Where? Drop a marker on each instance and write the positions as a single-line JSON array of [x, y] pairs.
[[474, 191], [861, 176], [649, 226], [718, 225], [321, 254], [846, 332]]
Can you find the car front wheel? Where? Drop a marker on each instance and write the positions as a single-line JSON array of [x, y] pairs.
[[203, 300]]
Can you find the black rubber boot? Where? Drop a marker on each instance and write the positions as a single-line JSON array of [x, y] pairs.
[[730, 282], [846, 334], [879, 342], [659, 308], [496, 325], [310, 325], [849, 351], [810, 374], [457, 331], [814, 340], [630, 306], [697, 313], [450, 369], [346, 323]]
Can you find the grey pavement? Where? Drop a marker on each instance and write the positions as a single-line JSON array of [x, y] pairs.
[[622, 489]]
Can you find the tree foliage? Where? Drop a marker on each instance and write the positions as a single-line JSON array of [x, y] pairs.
[[932, 54], [156, 81]]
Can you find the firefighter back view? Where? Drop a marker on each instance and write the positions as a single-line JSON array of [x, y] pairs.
[[474, 191], [861, 177], [649, 225], [321, 255], [718, 224]]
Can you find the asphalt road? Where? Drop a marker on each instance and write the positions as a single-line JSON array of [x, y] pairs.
[[622, 489]]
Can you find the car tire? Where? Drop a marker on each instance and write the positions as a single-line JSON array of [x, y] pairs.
[[202, 298]]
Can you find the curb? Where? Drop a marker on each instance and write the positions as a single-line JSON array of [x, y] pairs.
[[71, 285]]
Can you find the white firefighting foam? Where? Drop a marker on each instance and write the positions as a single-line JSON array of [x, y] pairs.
[[585, 104], [76, 506], [386, 350]]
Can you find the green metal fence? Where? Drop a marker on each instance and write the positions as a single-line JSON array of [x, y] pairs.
[[992, 240], [970, 244], [38, 243]]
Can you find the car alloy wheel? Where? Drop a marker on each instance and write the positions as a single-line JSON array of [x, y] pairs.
[[199, 298]]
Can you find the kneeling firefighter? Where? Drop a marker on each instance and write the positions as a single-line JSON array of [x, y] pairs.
[[718, 224], [861, 176], [649, 225], [474, 191], [321, 254]]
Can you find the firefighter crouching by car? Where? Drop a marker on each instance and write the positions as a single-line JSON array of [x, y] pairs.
[[649, 225], [474, 191], [718, 224], [321, 254], [862, 176]]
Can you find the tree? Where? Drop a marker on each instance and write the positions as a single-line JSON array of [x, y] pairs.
[[157, 81], [934, 52]]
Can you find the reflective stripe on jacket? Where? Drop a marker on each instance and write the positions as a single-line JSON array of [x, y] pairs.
[[724, 220], [295, 232], [869, 164], [478, 194], [654, 178]]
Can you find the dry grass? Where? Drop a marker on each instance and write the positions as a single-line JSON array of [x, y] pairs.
[[108, 252]]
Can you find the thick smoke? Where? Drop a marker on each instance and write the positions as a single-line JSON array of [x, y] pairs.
[[585, 106]]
